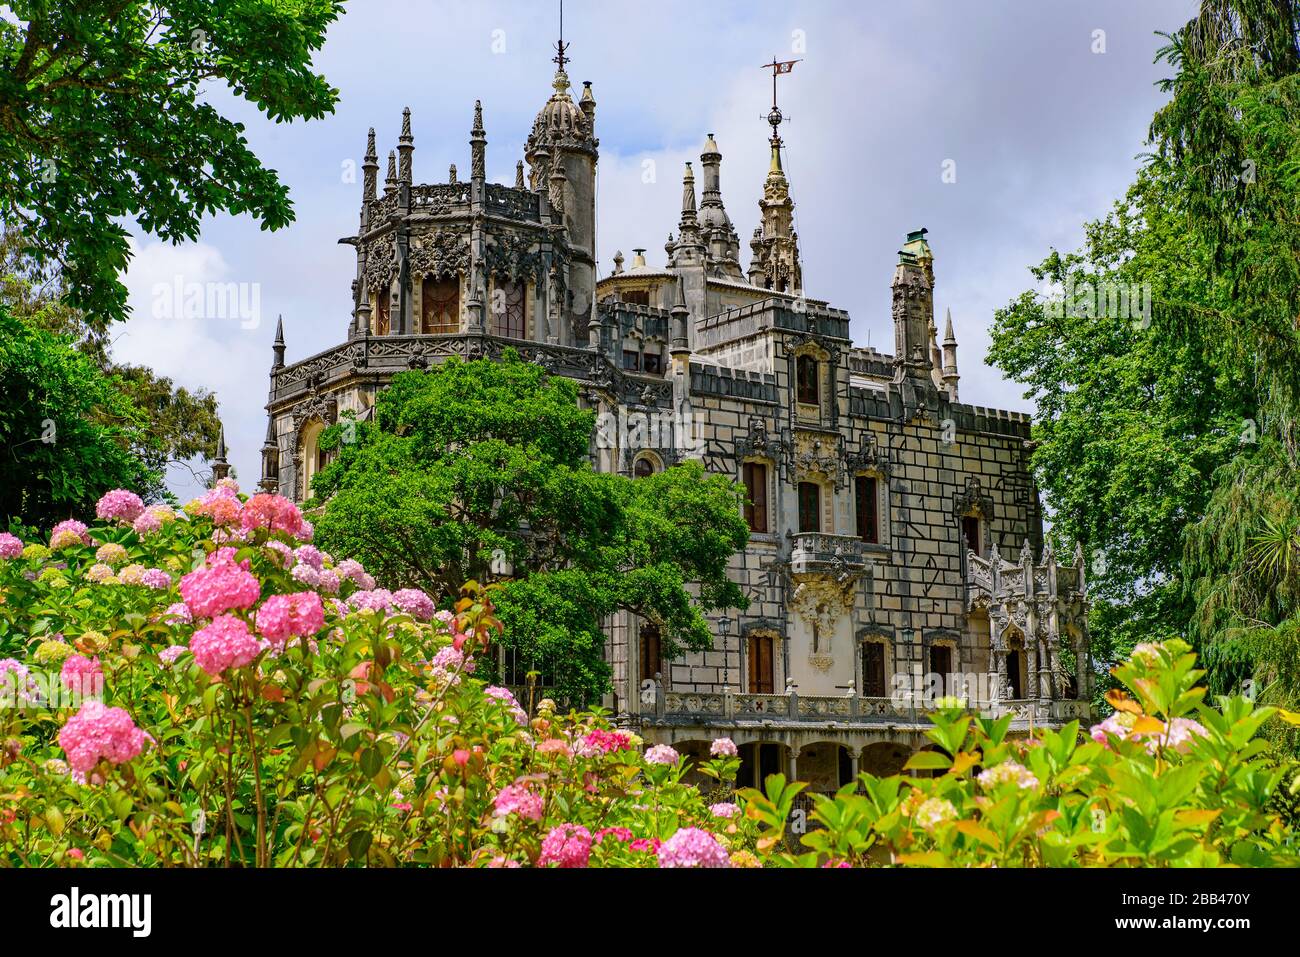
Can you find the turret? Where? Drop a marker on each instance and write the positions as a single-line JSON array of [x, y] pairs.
[[220, 467], [950, 375], [719, 234], [913, 307]]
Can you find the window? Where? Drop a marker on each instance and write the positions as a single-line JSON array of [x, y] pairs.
[[515, 665], [381, 325], [631, 360], [754, 475], [643, 468], [439, 306], [509, 314], [1014, 659], [873, 669], [652, 362], [866, 506], [651, 651], [970, 533], [806, 375], [638, 297], [762, 678], [810, 507], [941, 665]]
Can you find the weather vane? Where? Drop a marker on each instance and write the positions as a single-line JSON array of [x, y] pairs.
[[561, 46], [778, 67]]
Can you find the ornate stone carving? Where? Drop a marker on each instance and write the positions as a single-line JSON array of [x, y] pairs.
[[441, 254], [514, 256]]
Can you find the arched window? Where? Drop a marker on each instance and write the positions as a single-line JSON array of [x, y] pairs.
[[808, 390], [643, 467], [509, 313], [439, 306], [380, 324], [941, 665]]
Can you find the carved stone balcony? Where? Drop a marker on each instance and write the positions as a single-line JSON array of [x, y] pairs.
[[841, 557]]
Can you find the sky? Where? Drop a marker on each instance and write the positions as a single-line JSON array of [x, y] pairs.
[[1001, 126]]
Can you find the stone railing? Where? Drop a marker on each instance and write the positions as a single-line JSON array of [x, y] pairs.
[[682, 707], [511, 203], [438, 198], [813, 552]]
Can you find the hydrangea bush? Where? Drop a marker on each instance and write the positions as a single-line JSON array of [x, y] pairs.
[[208, 688], [1167, 780]]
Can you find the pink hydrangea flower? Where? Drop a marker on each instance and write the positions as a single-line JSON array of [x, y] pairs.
[[220, 504], [97, 732], [11, 546], [70, 532], [661, 754], [110, 553], [568, 845], [351, 569], [310, 555], [415, 603], [146, 524], [169, 655], [507, 698], [375, 599], [646, 844], [723, 748], [692, 847], [283, 553], [274, 512], [119, 505], [555, 746], [219, 586], [82, 675], [724, 809], [99, 573], [617, 833], [328, 581], [156, 578], [16, 684], [282, 617], [224, 644], [517, 799], [178, 613], [308, 575], [600, 741]]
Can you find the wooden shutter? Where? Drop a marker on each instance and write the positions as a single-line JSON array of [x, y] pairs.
[[761, 674], [755, 477], [873, 669], [810, 506], [866, 508]]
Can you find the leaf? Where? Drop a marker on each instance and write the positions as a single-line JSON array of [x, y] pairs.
[[928, 761], [979, 832], [1122, 702]]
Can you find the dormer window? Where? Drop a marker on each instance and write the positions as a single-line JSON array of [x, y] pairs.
[[807, 386]]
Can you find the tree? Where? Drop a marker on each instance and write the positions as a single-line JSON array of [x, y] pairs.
[[103, 116], [182, 424], [480, 471], [66, 430], [1169, 445]]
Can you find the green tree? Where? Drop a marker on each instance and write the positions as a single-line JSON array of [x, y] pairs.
[[66, 430], [1169, 446], [182, 424], [103, 116], [472, 464]]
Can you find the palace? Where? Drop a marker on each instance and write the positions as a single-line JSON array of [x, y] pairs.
[[896, 552]]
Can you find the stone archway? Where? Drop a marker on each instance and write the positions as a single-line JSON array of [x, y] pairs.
[[884, 758]]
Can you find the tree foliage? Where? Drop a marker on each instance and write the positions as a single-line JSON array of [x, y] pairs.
[[104, 115], [67, 432], [1169, 446], [481, 471]]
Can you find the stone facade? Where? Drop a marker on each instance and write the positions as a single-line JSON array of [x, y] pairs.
[[882, 505]]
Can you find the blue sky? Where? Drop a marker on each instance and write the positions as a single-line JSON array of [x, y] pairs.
[[1043, 132]]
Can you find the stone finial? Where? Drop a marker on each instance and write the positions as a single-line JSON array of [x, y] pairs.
[[519, 175], [369, 167], [220, 467], [277, 347], [478, 145], [390, 179], [405, 147], [451, 174], [688, 195], [680, 319], [618, 262]]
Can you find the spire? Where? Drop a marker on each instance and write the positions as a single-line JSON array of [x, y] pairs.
[[680, 345], [719, 234], [913, 307], [777, 264], [519, 175], [950, 376], [390, 179], [369, 168], [478, 145], [270, 459], [405, 147], [277, 347], [220, 467], [688, 197]]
